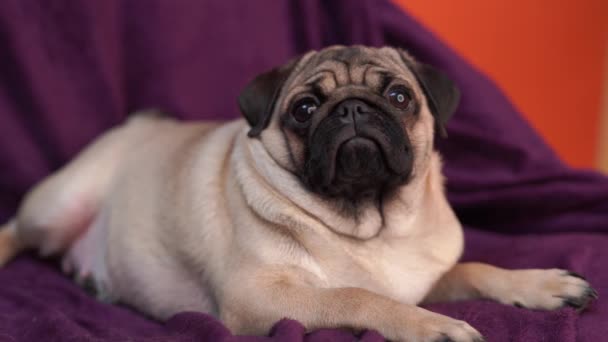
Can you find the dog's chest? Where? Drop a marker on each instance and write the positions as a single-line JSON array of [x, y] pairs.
[[403, 269]]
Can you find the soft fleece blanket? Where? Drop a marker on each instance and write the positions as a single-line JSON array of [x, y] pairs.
[[71, 69]]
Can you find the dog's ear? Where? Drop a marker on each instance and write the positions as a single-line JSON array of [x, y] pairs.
[[441, 92], [258, 99]]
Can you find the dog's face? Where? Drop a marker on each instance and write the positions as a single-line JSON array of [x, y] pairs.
[[350, 122]]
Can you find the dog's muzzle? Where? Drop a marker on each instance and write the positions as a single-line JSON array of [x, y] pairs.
[[357, 150]]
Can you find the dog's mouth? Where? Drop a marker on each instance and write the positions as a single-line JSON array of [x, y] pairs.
[[359, 157]]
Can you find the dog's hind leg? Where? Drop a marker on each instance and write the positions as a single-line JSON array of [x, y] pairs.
[[51, 215], [64, 205]]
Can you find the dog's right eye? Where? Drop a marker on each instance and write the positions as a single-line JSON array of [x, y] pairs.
[[303, 109]]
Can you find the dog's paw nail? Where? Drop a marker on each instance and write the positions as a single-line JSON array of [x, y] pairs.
[[518, 305], [89, 286], [592, 293], [582, 302], [574, 274], [576, 303]]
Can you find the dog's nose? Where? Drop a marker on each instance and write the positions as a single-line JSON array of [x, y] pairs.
[[352, 110]]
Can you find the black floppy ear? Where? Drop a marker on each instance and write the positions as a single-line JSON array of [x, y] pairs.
[[441, 92], [258, 99]]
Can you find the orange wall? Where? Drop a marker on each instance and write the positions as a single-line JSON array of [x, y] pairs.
[[547, 55]]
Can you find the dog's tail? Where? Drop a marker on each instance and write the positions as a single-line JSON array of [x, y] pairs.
[[9, 243]]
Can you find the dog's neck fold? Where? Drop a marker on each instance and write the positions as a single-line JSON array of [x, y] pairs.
[[274, 193]]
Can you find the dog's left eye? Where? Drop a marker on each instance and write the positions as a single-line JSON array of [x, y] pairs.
[[304, 108], [399, 97]]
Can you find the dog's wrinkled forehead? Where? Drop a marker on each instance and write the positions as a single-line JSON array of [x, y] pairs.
[[340, 66], [359, 70]]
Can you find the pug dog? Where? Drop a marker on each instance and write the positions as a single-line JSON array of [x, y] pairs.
[[325, 204]]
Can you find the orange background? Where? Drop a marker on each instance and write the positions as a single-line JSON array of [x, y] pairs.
[[547, 55]]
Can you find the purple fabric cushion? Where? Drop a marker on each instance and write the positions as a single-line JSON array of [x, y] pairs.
[[71, 69]]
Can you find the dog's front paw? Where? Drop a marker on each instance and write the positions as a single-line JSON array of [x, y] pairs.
[[548, 290], [439, 328]]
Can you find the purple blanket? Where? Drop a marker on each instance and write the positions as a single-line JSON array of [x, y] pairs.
[[71, 69]]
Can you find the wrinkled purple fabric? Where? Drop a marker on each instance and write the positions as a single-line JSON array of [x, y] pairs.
[[71, 69]]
